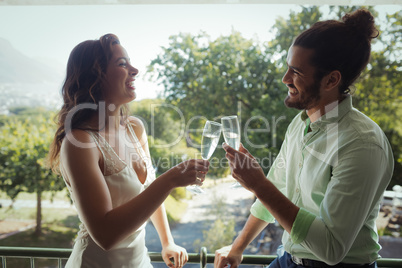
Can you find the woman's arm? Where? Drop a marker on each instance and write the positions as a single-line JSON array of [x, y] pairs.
[[159, 218], [169, 248], [108, 225]]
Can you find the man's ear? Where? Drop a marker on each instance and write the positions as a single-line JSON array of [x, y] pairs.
[[332, 80]]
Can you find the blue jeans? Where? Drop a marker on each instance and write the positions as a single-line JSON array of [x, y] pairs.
[[284, 260]]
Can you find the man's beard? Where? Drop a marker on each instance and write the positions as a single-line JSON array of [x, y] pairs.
[[307, 99]]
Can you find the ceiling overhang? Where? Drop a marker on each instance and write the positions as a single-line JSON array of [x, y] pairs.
[[189, 2]]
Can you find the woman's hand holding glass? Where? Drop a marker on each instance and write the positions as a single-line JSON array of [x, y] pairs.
[[188, 172]]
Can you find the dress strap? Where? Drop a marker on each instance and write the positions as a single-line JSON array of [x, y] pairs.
[[112, 162], [151, 172], [137, 144], [95, 137]]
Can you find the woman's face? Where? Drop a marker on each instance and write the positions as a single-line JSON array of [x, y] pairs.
[[120, 76]]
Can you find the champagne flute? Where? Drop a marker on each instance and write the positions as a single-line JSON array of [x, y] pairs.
[[231, 133], [210, 139]]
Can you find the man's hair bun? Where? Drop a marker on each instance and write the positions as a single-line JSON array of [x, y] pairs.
[[361, 22]]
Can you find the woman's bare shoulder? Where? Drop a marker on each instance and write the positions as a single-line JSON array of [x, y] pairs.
[[137, 125], [78, 142]]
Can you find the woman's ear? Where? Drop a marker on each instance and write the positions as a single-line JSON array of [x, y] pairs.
[[332, 80]]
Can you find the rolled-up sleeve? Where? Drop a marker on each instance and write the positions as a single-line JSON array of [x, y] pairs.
[[259, 211], [357, 184], [301, 225]]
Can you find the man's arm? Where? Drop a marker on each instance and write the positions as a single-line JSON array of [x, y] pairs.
[[247, 171], [357, 184], [233, 254], [358, 181]]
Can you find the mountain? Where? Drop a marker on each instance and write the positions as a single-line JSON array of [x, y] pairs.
[[15, 67]]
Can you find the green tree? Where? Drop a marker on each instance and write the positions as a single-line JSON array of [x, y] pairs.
[[285, 30], [23, 149], [157, 117], [165, 133], [234, 75], [379, 90], [220, 232], [271, 114], [209, 79], [167, 148]]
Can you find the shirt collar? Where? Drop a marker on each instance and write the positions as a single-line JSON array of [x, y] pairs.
[[332, 116]]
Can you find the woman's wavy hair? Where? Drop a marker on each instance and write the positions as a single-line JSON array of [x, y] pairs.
[[340, 45], [86, 70]]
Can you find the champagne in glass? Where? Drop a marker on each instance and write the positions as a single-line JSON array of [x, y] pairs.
[[210, 139], [209, 143], [232, 138], [231, 133]]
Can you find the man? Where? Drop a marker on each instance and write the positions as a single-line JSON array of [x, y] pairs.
[[326, 184]]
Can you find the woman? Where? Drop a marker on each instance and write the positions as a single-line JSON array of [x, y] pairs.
[[104, 159]]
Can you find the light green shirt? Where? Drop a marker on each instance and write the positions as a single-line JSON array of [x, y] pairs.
[[337, 174]]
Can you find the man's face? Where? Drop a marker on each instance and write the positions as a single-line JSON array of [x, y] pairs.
[[304, 90]]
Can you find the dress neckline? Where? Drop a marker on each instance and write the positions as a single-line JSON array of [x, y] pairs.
[[140, 151]]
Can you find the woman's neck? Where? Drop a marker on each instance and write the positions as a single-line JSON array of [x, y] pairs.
[[108, 120]]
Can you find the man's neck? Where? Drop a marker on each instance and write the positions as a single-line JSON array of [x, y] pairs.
[[316, 112]]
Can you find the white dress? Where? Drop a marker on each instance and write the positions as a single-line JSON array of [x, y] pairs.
[[123, 184]]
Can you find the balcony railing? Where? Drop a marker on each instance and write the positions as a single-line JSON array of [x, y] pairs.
[[203, 258]]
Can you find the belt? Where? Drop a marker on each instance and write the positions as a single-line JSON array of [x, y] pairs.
[[320, 264]]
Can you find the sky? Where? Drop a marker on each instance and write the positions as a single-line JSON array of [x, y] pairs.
[[50, 32]]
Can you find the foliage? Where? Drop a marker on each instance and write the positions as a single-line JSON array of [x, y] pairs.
[[165, 135], [219, 235], [27, 111], [167, 147], [179, 193], [3, 119], [174, 209], [285, 30], [164, 158], [54, 235], [156, 115], [222, 77], [387, 232], [60, 227], [221, 231], [206, 79], [379, 90], [23, 149]]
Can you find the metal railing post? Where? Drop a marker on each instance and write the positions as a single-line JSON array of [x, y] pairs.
[[203, 257], [3, 262]]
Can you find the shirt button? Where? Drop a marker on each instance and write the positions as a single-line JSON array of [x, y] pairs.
[[297, 190], [300, 165]]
